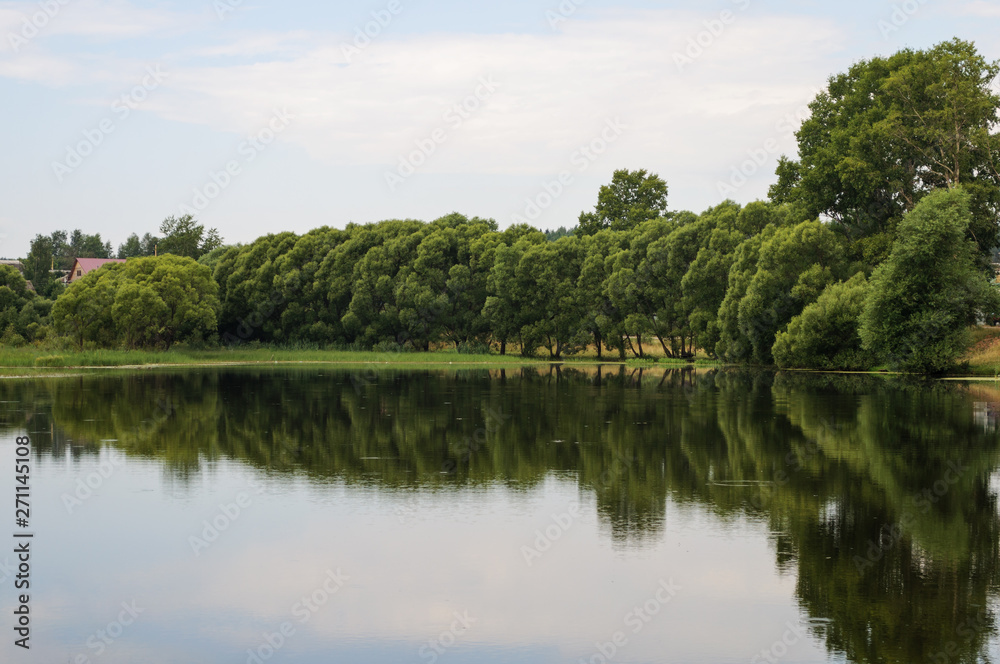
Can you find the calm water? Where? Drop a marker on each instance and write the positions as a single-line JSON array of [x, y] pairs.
[[531, 516]]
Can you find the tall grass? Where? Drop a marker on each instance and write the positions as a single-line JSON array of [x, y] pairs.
[[983, 356], [48, 358]]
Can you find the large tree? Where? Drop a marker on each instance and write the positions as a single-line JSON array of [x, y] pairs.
[[925, 296], [891, 130], [632, 198], [184, 236], [57, 252], [147, 302]]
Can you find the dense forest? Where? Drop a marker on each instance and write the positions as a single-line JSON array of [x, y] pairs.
[[874, 249]]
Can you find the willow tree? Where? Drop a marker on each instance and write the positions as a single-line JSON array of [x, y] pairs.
[[926, 295]]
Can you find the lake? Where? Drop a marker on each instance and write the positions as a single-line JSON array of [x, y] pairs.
[[545, 514]]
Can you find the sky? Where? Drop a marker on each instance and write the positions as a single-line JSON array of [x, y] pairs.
[[260, 117]]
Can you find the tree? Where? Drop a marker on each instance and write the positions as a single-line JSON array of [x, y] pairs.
[[825, 335], [15, 299], [551, 272], [704, 283], [509, 307], [604, 320], [82, 245], [147, 302], [58, 251], [795, 265], [928, 292], [251, 303], [38, 265], [890, 131], [188, 291], [83, 311], [562, 231], [632, 198], [373, 316], [136, 247], [140, 314], [186, 237], [441, 294]]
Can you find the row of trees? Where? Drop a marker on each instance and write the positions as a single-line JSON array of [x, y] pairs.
[[872, 250]]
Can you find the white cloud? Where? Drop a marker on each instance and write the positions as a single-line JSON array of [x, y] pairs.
[[97, 19], [555, 91], [981, 8]]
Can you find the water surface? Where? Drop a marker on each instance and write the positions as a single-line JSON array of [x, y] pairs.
[[536, 515]]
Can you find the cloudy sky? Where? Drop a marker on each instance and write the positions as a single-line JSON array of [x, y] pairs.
[[262, 116]]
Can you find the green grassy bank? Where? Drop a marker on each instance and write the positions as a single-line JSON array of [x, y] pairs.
[[22, 358]]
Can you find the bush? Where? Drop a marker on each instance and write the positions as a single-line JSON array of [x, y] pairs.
[[926, 296], [50, 361], [825, 335]]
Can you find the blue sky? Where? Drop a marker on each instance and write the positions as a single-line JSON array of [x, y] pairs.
[[263, 116]]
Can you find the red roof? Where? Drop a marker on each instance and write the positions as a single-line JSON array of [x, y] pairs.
[[87, 265]]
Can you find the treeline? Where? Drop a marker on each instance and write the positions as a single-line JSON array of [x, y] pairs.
[[52, 255], [756, 284], [873, 249]]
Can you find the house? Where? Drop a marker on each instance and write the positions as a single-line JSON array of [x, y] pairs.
[[83, 266], [17, 265]]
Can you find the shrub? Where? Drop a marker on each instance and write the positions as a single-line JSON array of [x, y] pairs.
[[926, 295], [825, 335]]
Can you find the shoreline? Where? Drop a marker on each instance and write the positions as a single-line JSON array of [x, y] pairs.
[[31, 363]]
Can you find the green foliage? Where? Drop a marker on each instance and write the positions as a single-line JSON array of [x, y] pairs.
[[560, 232], [136, 247], [186, 237], [704, 284], [825, 335], [57, 252], [739, 283], [924, 297], [891, 130], [23, 315], [632, 198], [38, 265], [793, 268], [602, 318], [144, 303], [509, 303]]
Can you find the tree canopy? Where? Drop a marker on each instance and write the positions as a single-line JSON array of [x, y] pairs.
[[890, 131], [632, 198], [926, 295]]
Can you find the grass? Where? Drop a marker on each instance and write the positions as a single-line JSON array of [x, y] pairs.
[[22, 358], [57, 357], [983, 356]]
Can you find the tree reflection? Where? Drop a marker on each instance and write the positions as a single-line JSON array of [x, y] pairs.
[[877, 492]]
